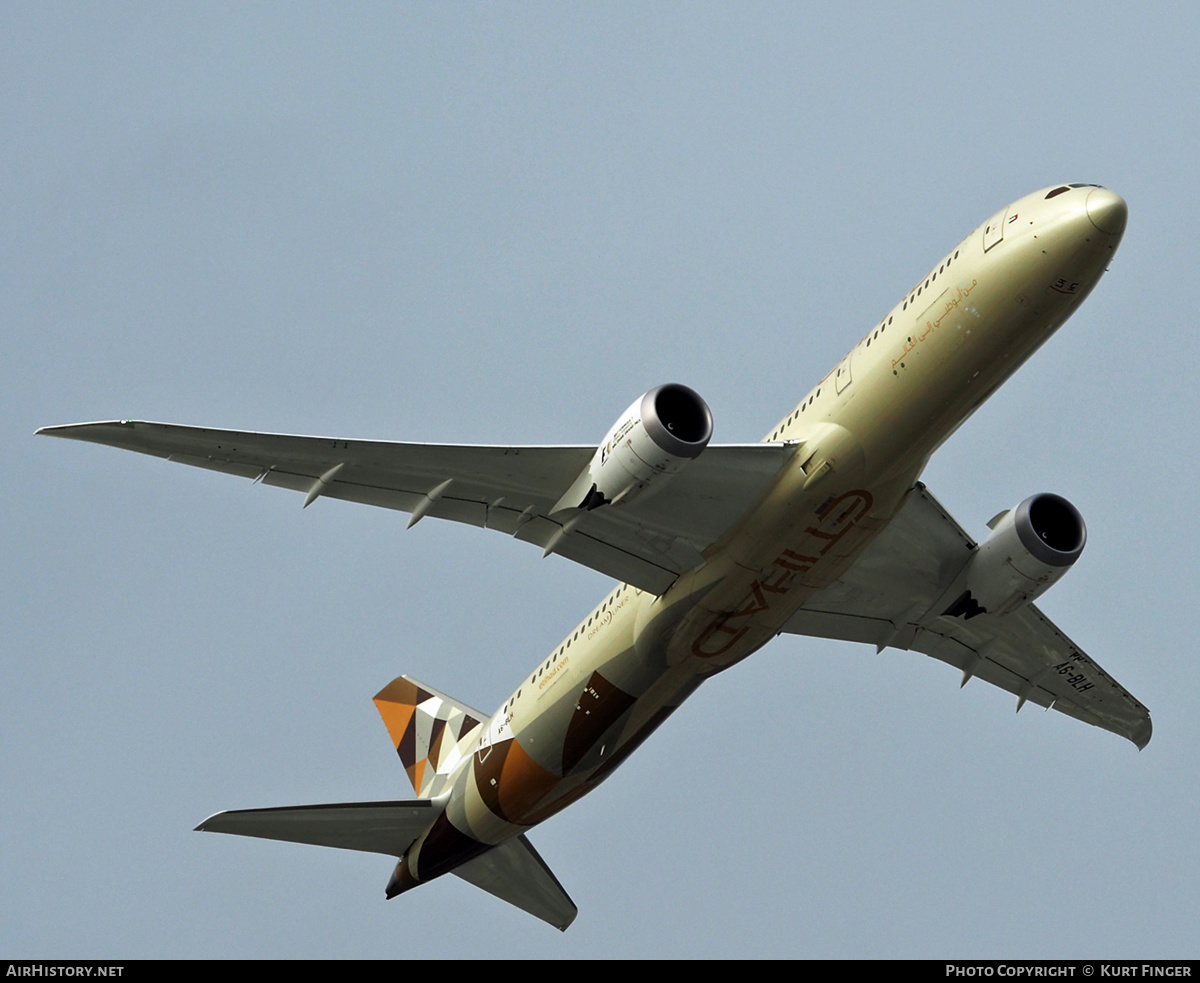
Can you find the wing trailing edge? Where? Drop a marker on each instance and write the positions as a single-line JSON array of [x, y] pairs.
[[510, 489], [893, 597]]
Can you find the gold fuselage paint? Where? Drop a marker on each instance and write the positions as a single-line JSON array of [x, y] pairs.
[[862, 437]]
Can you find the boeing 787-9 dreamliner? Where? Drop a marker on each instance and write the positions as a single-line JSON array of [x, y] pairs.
[[821, 529]]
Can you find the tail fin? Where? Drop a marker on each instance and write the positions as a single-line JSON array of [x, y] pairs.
[[431, 732]]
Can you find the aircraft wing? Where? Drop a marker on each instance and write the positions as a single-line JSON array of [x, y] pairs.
[[647, 542], [890, 596]]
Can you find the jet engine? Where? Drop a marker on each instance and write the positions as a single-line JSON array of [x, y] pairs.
[[1028, 551], [652, 441]]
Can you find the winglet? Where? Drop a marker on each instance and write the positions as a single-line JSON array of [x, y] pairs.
[[1142, 737]]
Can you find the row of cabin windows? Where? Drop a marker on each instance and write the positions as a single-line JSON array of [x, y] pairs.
[[883, 325], [928, 280], [795, 413], [567, 644]]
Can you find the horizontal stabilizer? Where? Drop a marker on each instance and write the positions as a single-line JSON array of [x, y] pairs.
[[373, 827], [514, 872]]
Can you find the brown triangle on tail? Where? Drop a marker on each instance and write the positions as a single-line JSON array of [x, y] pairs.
[[432, 733]]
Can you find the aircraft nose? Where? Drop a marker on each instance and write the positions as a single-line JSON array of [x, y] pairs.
[[1107, 211]]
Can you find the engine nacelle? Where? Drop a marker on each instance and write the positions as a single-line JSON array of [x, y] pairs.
[[653, 440], [1028, 551]]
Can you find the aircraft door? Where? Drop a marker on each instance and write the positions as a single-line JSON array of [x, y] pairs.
[[993, 232], [841, 377]]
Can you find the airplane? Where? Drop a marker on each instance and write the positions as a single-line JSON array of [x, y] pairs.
[[822, 529]]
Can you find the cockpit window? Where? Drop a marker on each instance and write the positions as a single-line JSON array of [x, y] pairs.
[[1057, 191]]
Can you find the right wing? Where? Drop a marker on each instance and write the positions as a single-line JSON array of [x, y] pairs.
[[647, 542]]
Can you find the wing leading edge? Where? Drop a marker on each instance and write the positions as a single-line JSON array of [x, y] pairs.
[[886, 598], [647, 543]]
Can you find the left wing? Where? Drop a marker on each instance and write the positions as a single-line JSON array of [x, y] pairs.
[[890, 596], [647, 542]]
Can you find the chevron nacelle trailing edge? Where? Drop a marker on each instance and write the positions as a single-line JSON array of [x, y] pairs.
[[822, 529]]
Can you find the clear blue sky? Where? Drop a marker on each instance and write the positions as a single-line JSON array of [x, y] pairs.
[[501, 223]]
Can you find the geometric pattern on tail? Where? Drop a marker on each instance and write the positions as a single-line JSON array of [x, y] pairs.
[[431, 732]]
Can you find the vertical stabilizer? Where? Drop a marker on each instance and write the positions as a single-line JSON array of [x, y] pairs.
[[431, 732]]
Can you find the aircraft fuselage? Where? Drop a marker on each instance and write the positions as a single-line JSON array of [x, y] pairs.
[[862, 438]]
